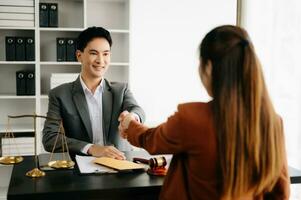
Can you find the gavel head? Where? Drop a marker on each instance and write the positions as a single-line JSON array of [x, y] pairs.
[[156, 165], [157, 162]]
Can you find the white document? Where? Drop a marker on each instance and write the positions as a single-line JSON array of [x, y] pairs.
[[87, 166]]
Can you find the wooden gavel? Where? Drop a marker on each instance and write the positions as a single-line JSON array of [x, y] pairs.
[[156, 165]]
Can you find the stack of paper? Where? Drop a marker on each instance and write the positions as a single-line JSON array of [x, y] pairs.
[[87, 166], [17, 146], [57, 79], [17, 13]]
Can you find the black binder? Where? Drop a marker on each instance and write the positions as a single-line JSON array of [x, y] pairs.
[[30, 83], [43, 15], [60, 49], [10, 48], [20, 49], [21, 82], [70, 49], [53, 15], [29, 49]]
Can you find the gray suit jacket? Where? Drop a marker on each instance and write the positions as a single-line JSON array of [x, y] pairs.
[[68, 102]]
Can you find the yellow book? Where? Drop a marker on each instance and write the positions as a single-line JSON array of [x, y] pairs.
[[118, 164]]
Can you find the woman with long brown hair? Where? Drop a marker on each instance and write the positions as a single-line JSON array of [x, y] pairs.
[[231, 147]]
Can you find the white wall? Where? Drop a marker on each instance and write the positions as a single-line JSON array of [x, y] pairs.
[[275, 28], [164, 50]]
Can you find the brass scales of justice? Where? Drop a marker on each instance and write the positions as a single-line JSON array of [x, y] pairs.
[[66, 161]]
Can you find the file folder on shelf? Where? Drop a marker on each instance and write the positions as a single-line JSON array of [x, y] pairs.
[[60, 49], [70, 49], [10, 48], [21, 83], [20, 49], [53, 15], [29, 49], [30, 83], [43, 14]]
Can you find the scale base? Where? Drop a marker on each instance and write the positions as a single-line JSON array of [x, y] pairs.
[[35, 173]]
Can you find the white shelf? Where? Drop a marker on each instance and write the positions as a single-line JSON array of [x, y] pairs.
[[112, 1], [62, 29], [119, 31], [81, 29], [44, 96], [17, 62], [58, 63], [17, 128], [17, 28], [119, 64], [78, 63], [16, 97]]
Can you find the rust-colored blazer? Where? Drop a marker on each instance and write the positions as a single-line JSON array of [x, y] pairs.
[[194, 170]]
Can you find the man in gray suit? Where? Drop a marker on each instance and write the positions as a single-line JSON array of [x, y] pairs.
[[90, 106]]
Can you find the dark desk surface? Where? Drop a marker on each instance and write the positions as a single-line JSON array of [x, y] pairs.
[[68, 184]]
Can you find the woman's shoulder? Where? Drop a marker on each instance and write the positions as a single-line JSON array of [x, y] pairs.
[[195, 107], [195, 112], [196, 117]]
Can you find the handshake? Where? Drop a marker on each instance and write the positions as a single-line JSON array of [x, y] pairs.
[[124, 121], [110, 151]]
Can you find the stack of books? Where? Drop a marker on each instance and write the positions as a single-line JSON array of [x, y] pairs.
[[57, 79], [17, 13], [17, 146]]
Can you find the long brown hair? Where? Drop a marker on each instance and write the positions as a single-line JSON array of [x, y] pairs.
[[250, 137]]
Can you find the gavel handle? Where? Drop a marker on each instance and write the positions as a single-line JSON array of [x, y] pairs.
[[141, 160]]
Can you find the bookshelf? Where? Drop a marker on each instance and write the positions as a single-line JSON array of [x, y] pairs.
[[73, 17]]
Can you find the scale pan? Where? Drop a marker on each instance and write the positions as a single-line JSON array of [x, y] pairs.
[[9, 160], [61, 164]]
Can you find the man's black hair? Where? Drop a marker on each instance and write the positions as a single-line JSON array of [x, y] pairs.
[[89, 34]]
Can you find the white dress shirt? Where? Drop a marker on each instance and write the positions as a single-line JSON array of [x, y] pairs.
[[94, 102]]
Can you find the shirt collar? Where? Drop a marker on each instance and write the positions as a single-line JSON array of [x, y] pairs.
[[86, 89]]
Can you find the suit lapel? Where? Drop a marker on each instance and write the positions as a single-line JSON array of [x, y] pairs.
[[107, 101], [82, 107]]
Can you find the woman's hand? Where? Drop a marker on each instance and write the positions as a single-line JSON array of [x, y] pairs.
[[124, 120]]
